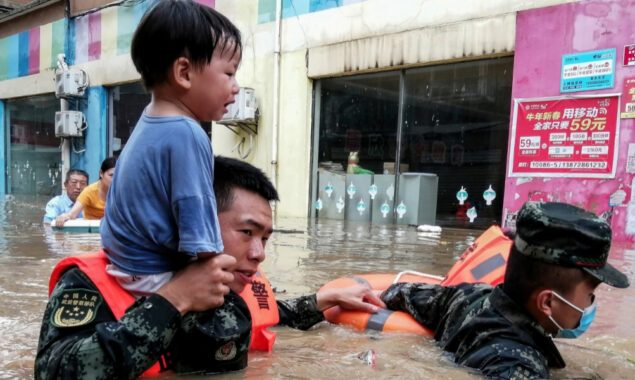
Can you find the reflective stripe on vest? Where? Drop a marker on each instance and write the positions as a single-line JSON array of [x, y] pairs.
[[263, 308]]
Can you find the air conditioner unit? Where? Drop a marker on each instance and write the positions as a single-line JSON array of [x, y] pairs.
[[69, 123], [244, 110], [70, 83]]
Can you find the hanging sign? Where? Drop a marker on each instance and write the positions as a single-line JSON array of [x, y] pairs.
[[629, 55], [591, 70], [628, 106], [565, 137]]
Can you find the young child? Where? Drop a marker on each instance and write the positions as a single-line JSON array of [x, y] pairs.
[[161, 209]]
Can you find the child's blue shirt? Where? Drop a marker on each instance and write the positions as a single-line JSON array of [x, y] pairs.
[[161, 208]]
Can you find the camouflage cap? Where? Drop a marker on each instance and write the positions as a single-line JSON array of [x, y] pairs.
[[566, 235]]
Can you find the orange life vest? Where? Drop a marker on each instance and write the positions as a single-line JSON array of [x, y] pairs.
[[264, 312], [118, 299], [94, 266]]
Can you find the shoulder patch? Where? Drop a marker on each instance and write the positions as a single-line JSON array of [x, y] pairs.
[[76, 307]]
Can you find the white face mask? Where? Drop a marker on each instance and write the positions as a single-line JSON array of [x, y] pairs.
[[588, 314]]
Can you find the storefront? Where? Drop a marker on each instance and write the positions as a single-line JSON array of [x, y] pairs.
[[419, 97], [32, 150], [125, 103], [449, 120]]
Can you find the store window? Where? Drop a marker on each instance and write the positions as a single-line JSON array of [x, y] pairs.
[[456, 125], [33, 155], [127, 103], [452, 130], [359, 114]]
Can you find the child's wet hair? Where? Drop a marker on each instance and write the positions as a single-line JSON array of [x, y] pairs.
[[179, 28]]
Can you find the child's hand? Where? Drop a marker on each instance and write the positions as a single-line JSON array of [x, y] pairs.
[[201, 285]]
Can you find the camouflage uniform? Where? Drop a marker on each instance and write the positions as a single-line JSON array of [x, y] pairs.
[[104, 348], [481, 326], [300, 313]]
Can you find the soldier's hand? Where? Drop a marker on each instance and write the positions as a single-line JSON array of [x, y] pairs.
[[356, 297], [201, 285]]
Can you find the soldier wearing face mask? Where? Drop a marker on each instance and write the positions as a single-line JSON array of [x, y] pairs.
[[558, 259]]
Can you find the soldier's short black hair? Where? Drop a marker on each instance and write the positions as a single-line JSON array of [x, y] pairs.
[[230, 173], [525, 274], [75, 171], [179, 28]]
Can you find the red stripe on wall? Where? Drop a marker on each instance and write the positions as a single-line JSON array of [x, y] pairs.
[[34, 51], [94, 36]]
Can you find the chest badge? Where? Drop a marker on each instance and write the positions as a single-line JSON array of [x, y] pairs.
[[226, 352]]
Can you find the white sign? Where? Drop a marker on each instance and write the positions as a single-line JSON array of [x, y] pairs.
[[578, 136], [592, 149], [555, 150], [529, 142], [557, 137], [600, 136]]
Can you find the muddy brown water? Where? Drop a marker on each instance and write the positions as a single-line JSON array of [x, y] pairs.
[[301, 256]]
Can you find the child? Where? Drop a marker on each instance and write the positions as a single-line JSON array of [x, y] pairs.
[[161, 209]]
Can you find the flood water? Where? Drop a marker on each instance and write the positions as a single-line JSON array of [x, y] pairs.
[[301, 256]]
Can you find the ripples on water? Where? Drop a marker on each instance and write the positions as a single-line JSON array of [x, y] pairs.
[[301, 257]]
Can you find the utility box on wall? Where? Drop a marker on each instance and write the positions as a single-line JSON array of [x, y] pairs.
[[70, 83], [243, 110], [69, 123]]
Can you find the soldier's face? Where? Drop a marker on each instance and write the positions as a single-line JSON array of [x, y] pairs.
[[245, 228], [581, 296]]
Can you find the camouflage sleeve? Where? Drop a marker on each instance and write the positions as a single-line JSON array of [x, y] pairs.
[[300, 313], [84, 340], [506, 359], [213, 341], [426, 303]]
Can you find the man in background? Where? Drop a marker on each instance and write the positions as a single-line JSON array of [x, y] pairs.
[[76, 181]]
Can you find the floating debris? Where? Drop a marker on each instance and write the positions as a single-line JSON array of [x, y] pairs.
[[368, 357], [428, 228]]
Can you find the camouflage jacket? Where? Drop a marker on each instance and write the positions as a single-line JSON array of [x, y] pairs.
[[481, 326], [300, 313], [86, 341]]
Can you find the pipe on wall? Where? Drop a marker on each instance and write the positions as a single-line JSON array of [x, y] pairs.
[[276, 96]]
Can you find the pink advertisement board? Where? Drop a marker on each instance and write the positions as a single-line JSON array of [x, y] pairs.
[[565, 137]]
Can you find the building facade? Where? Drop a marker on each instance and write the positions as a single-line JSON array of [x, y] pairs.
[[422, 87]]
